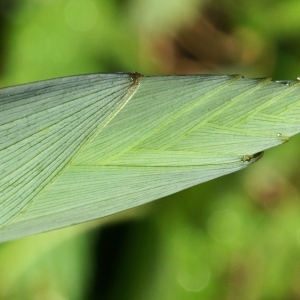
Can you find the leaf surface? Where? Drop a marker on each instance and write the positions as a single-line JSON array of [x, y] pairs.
[[83, 147]]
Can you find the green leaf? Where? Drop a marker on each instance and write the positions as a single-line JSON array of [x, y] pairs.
[[83, 147]]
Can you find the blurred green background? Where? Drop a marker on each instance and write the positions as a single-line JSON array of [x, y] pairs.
[[236, 237]]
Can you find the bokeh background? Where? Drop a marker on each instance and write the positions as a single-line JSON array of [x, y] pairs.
[[236, 237]]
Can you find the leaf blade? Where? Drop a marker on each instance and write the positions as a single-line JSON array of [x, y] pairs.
[[174, 132]]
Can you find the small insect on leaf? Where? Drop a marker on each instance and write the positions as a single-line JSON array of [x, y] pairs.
[[253, 158]]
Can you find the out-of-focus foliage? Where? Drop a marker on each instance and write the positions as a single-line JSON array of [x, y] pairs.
[[237, 237]]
